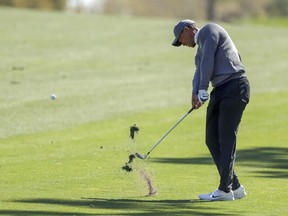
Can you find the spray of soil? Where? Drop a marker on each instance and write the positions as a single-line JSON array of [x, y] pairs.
[[151, 189], [143, 173]]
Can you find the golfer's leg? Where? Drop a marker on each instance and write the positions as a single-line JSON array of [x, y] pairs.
[[235, 183], [212, 132], [244, 89], [229, 119]]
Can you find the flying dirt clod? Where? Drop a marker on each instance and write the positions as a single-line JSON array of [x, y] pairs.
[[128, 167], [133, 129]]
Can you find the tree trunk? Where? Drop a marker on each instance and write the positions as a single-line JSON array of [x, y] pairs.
[[211, 9]]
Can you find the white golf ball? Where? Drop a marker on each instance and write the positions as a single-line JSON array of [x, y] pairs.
[[52, 97]]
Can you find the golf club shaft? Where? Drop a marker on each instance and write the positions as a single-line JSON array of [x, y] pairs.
[[181, 119]]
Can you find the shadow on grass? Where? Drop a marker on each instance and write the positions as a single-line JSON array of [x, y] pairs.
[[123, 207], [272, 158], [43, 213]]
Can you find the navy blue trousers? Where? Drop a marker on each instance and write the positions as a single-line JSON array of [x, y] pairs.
[[224, 113]]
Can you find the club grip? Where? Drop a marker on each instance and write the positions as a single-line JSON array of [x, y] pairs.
[[191, 109]]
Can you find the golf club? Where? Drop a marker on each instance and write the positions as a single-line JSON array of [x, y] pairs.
[[181, 119]]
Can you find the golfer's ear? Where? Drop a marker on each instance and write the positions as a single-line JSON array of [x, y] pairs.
[[186, 28]]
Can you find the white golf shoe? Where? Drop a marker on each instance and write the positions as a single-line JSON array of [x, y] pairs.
[[218, 195], [240, 192]]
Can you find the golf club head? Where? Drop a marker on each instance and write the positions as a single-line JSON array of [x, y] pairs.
[[140, 156]]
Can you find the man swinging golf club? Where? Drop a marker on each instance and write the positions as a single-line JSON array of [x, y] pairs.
[[218, 61]]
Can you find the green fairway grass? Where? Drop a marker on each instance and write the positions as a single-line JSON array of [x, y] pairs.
[[65, 157]]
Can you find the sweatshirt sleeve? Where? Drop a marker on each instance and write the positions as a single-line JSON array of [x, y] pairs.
[[208, 41], [196, 81]]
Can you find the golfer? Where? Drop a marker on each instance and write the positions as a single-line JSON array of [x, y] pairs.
[[218, 62]]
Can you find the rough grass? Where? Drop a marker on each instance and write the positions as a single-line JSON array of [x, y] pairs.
[[64, 157]]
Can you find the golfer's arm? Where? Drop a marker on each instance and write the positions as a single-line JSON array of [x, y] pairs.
[[209, 44]]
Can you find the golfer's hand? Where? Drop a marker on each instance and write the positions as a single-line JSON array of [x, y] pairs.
[[203, 96], [195, 101]]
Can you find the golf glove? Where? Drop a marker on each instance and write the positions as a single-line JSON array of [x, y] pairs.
[[203, 96]]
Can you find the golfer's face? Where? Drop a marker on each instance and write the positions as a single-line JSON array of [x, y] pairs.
[[187, 37]]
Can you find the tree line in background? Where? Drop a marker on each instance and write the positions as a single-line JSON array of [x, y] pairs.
[[225, 10], [36, 4]]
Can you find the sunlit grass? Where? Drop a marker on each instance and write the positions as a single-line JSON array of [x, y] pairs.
[[64, 157]]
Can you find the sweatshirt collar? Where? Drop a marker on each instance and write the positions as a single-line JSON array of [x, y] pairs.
[[196, 36]]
